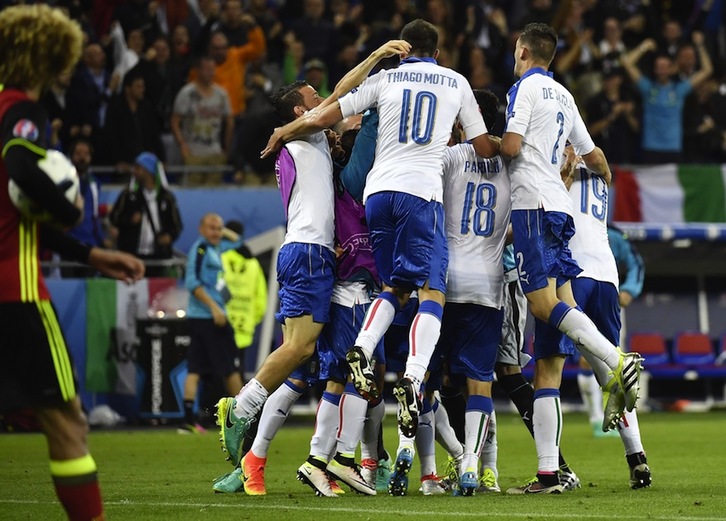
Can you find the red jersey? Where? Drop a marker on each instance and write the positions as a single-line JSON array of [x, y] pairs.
[[20, 277]]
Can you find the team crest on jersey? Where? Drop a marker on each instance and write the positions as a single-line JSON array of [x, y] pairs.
[[26, 129]]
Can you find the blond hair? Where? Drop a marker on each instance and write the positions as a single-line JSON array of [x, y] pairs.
[[37, 44]]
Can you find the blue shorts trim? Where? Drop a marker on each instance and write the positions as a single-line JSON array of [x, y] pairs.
[[408, 240], [541, 248], [470, 340], [338, 336], [306, 273], [599, 301]]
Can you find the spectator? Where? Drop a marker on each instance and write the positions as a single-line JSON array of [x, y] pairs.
[[663, 99], [704, 128], [55, 102], [180, 61], [89, 231], [611, 47], [271, 27], [146, 215], [245, 281], [127, 50], [315, 73], [317, 35], [154, 69], [201, 111], [232, 23], [202, 11], [132, 126], [670, 39], [613, 120], [212, 349]]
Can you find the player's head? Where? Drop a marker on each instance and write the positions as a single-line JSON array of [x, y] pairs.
[[294, 100], [210, 227], [37, 43], [488, 106], [423, 37], [536, 46]]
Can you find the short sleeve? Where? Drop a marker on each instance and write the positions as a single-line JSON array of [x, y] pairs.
[[181, 103], [469, 115], [520, 100], [644, 84], [362, 97]]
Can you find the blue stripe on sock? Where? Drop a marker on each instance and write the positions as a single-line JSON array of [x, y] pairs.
[[332, 398], [558, 313], [425, 405], [586, 372], [432, 308], [391, 298], [435, 405], [543, 393], [477, 402], [298, 390]]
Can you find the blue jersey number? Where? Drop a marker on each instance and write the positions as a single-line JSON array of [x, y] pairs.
[[561, 121], [424, 109], [485, 198], [599, 207]]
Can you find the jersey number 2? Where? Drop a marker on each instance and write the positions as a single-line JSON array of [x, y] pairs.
[[421, 129], [485, 198], [561, 121]]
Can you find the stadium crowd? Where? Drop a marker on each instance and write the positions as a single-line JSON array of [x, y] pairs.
[[191, 81]]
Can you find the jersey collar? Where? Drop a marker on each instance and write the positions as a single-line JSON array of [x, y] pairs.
[[416, 59], [536, 70]]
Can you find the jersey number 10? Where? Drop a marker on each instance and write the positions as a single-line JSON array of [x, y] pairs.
[[420, 130]]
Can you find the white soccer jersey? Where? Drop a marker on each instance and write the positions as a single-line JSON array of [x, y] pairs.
[[349, 294], [477, 201], [590, 246], [544, 113], [418, 103], [310, 210]]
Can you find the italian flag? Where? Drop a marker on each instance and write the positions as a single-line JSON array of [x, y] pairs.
[[670, 194], [112, 308]]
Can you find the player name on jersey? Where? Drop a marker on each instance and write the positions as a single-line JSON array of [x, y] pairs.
[[422, 77]]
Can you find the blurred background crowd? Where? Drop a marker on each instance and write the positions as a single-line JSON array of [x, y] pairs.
[[190, 80]]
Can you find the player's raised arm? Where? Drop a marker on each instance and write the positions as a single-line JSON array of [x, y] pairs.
[[309, 123], [597, 162]]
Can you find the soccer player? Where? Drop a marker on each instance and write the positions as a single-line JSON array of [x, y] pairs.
[[477, 202], [306, 261], [596, 292], [541, 116], [417, 103], [37, 44]]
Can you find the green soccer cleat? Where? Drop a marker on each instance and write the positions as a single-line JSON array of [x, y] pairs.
[[231, 430], [383, 475], [488, 482], [229, 483]]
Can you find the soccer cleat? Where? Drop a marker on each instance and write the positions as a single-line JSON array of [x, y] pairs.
[[451, 481], [229, 483], [614, 405], [488, 482], [361, 372], [253, 474], [316, 478], [639, 471], [568, 479], [349, 473], [431, 485], [383, 475], [535, 486], [628, 375], [191, 428], [369, 469], [337, 489], [468, 482], [398, 484], [408, 406], [231, 429]]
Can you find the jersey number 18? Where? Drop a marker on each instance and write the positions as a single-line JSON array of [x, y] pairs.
[[484, 197]]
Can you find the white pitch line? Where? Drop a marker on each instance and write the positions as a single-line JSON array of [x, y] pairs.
[[376, 511]]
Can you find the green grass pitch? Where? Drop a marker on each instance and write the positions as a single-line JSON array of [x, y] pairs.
[[158, 474]]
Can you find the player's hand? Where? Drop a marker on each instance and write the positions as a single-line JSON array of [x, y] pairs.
[[698, 38], [218, 316], [274, 144], [117, 264], [393, 48], [649, 45], [136, 218], [625, 299]]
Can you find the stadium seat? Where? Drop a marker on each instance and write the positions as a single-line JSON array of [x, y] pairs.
[[651, 346], [693, 348]]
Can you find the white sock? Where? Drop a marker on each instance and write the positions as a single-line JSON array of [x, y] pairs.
[[405, 442], [476, 423], [422, 338], [583, 331], [273, 416], [353, 409], [489, 451], [425, 442], [547, 421], [377, 320], [602, 371], [369, 443], [250, 399], [445, 434], [322, 444], [630, 433], [591, 395]]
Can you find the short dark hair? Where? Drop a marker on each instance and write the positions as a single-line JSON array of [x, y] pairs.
[[236, 226], [488, 105], [423, 37], [287, 98], [541, 40], [79, 141]]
